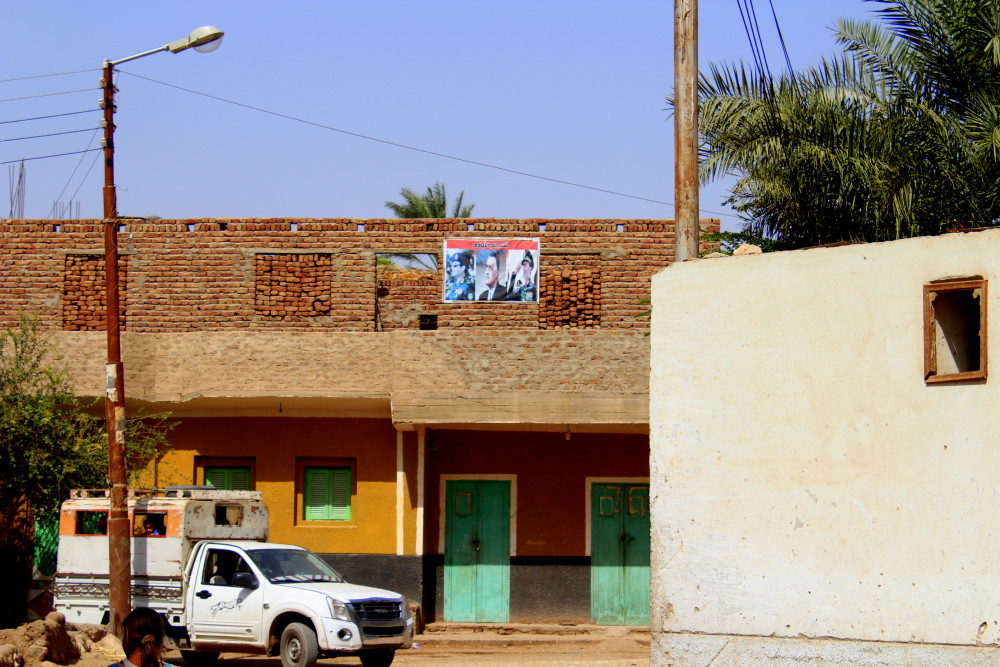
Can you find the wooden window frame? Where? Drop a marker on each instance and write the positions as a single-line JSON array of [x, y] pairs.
[[931, 290], [203, 462], [305, 464]]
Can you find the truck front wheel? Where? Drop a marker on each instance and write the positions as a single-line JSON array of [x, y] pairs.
[[299, 647], [378, 658]]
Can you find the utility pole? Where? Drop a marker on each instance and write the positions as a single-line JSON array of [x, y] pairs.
[[204, 39], [119, 530], [687, 229]]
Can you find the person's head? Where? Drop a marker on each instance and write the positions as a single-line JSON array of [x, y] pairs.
[[149, 530], [527, 265], [492, 272], [458, 265], [142, 632]]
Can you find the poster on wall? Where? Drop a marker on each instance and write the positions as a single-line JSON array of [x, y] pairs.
[[478, 269]]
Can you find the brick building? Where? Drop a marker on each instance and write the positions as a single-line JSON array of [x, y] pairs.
[[485, 458]]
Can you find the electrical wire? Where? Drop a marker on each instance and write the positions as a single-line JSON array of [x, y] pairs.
[[55, 115], [82, 180], [34, 97], [41, 76], [781, 38], [43, 157], [755, 47], [73, 173], [404, 146], [51, 134]]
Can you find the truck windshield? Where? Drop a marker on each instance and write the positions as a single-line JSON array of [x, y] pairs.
[[292, 565]]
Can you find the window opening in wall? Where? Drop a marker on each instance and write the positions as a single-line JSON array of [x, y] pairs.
[[571, 297], [428, 322], [91, 522], [228, 515], [151, 524], [407, 265], [294, 286], [326, 493], [230, 478], [955, 330], [84, 292]]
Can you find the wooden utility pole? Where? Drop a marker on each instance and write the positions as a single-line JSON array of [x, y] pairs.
[[119, 530], [686, 215]]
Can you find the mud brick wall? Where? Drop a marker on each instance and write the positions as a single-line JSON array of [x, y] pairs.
[[318, 274], [83, 296]]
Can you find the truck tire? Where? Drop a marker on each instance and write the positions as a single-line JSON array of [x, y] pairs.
[[200, 658], [299, 647], [378, 658]]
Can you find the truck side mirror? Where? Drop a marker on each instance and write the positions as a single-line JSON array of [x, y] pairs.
[[245, 580]]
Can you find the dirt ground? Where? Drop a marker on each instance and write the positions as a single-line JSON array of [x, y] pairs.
[[51, 643]]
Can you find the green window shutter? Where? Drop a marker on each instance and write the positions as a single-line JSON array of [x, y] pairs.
[[327, 494], [235, 478], [340, 495], [240, 479], [217, 477]]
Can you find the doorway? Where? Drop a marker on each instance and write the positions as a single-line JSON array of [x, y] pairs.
[[477, 550], [619, 566]]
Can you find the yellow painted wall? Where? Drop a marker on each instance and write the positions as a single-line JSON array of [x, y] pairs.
[[279, 447]]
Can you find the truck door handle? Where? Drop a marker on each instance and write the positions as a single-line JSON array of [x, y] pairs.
[[204, 595]]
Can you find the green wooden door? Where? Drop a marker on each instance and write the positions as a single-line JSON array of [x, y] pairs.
[[477, 551], [619, 569]]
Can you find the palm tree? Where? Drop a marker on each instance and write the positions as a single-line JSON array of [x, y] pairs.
[[898, 136], [431, 204]]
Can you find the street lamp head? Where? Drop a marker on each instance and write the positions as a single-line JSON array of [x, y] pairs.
[[204, 39]]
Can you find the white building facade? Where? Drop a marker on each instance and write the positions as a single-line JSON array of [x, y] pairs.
[[825, 470]]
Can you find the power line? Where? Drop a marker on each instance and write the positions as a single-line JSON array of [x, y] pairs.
[[33, 97], [55, 115], [404, 146], [781, 38], [43, 157], [51, 134], [73, 173], [41, 76]]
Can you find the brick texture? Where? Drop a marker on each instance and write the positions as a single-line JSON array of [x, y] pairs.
[[284, 275]]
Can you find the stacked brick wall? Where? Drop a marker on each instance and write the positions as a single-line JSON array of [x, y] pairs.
[[84, 290], [204, 275]]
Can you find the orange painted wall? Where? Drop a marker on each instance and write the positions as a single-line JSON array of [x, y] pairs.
[[551, 479], [278, 445]]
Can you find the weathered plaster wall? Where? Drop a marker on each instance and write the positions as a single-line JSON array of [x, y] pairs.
[[452, 376], [806, 482]]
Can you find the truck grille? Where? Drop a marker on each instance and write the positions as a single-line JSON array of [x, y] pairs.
[[378, 610]]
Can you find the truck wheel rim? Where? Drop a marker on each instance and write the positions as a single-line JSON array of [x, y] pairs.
[[294, 649]]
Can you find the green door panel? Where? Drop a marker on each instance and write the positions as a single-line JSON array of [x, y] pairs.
[[477, 551], [619, 575]]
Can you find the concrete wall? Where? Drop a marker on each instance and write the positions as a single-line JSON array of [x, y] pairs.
[[806, 482]]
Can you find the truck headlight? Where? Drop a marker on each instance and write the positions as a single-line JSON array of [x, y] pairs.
[[339, 610], [406, 609]]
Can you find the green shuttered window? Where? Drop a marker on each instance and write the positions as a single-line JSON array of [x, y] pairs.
[[231, 478], [327, 494]]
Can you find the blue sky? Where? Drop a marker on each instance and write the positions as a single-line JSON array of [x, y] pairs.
[[571, 90]]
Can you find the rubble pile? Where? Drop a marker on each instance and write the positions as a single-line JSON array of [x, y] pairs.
[[52, 642]]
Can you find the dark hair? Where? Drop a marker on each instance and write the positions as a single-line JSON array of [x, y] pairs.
[[143, 630], [462, 258]]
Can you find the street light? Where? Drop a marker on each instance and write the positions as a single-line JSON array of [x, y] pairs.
[[203, 39]]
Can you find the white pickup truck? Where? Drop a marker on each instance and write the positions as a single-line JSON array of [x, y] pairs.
[[236, 594]]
